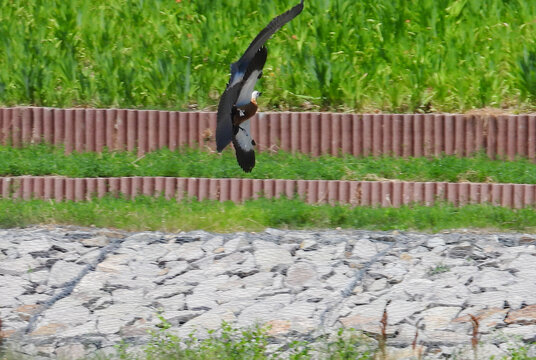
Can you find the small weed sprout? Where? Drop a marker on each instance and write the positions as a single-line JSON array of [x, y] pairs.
[[438, 269]]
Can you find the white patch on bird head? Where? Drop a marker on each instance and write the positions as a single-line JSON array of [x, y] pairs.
[[255, 94]]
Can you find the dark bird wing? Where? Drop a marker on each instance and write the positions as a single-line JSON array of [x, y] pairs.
[[238, 68], [224, 127]]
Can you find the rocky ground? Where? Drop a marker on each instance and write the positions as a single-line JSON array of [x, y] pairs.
[[67, 292]]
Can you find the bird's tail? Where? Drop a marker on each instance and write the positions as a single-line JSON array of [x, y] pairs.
[[244, 146]]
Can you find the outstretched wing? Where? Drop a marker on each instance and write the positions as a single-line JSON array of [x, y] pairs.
[[238, 68], [244, 146], [224, 125]]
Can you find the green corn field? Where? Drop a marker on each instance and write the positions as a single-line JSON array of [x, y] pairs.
[[341, 55]]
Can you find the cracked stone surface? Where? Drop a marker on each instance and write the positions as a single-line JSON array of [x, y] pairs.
[[68, 292]]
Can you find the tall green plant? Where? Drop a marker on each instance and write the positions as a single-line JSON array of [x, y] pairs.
[[392, 55], [527, 74]]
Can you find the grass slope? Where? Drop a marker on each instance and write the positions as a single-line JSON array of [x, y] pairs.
[[147, 213], [392, 55], [47, 160]]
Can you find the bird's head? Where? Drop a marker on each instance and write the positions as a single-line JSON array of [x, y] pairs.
[[254, 95]]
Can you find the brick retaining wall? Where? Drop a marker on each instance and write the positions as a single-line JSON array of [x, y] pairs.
[[314, 133], [358, 193]]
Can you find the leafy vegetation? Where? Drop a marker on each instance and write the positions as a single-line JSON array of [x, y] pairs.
[[391, 55], [147, 213], [226, 343], [231, 343], [520, 353], [47, 160], [438, 269]]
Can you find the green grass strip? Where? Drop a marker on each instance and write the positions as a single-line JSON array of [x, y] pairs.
[[147, 213], [47, 160]]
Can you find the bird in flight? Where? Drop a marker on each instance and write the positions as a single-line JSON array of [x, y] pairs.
[[238, 102]]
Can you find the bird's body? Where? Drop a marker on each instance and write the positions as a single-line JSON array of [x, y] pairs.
[[244, 112], [238, 102]]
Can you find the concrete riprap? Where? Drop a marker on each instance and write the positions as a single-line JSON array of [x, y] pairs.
[[71, 292]]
